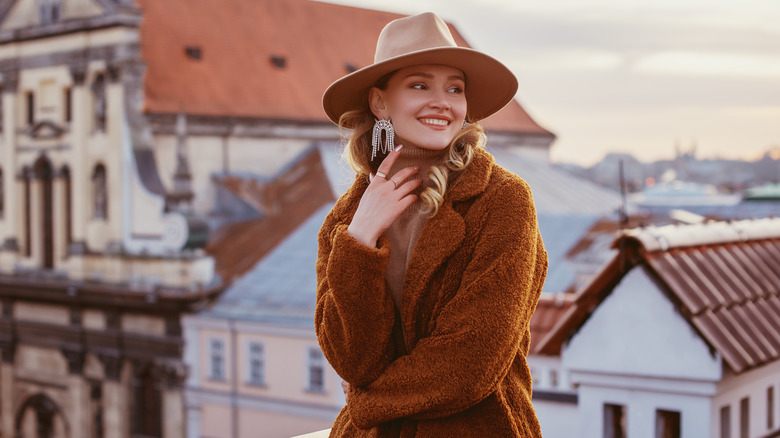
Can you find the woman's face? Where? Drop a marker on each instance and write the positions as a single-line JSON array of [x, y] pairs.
[[425, 103]]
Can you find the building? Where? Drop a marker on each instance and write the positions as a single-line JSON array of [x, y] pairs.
[[99, 256], [677, 335]]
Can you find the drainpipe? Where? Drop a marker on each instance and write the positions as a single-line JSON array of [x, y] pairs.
[[234, 379]]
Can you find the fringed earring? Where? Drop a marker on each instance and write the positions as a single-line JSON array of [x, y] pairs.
[[376, 139]]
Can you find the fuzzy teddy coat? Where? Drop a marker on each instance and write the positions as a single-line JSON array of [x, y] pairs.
[[452, 364]]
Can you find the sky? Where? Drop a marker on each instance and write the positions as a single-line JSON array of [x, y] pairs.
[[637, 76]]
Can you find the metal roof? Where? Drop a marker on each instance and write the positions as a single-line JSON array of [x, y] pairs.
[[555, 190], [281, 288], [723, 277]]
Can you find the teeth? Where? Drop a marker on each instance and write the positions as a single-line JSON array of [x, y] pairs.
[[439, 122]]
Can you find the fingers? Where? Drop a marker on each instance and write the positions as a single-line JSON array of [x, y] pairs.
[[405, 173], [405, 188], [389, 160]]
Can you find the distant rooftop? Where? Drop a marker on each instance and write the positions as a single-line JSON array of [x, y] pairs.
[[270, 59], [724, 278]]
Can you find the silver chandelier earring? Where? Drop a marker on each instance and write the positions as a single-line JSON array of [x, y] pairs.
[[376, 139]]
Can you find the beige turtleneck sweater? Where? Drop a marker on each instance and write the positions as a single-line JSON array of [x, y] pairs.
[[405, 231]]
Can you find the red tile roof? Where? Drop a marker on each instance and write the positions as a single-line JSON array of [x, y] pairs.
[[238, 40], [549, 310], [723, 277], [286, 202]]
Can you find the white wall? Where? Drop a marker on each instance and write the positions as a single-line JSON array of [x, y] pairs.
[[557, 420], [637, 331], [641, 409], [752, 384]]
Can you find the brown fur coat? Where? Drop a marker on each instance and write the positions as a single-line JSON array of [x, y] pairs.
[[469, 292]]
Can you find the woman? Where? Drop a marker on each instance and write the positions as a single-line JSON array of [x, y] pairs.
[[431, 264]]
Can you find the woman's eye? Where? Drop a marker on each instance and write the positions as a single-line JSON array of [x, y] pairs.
[[456, 90], [418, 86]]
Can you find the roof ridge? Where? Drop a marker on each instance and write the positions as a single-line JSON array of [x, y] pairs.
[[665, 237]]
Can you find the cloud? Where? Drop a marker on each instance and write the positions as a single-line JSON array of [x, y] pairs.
[[709, 64]]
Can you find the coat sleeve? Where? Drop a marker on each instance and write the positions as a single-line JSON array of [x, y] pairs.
[[354, 316], [478, 334]]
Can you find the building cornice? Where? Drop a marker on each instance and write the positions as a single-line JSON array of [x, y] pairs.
[[154, 301], [237, 126], [124, 18]]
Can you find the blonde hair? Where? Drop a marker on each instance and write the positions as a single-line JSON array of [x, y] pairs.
[[458, 156]]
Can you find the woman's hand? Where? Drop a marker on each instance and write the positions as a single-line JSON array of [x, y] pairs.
[[383, 201]]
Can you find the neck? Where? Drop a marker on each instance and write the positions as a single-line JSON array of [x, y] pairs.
[[416, 156]]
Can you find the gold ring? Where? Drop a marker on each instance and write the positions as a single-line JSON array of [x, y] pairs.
[[394, 183], [381, 175]]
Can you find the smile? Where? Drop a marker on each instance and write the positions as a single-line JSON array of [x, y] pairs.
[[437, 122]]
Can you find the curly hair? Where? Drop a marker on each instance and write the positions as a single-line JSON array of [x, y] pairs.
[[459, 154]]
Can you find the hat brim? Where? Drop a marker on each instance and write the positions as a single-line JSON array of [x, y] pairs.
[[489, 84]]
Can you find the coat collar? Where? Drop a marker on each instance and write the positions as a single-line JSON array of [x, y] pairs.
[[474, 179]]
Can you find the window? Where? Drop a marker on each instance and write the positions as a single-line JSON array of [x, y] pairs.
[[99, 193], [68, 204], [614, 421], [99, 102], [27, 212], [30, 98], [554, 378], [1, 110], [1, 194], [744, 418], [667, 424], [770, 404], [217, 359], [49, 11], [725, 422], [316, 370], [256, 364], [68, 97]]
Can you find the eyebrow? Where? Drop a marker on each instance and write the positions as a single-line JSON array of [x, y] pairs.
[[430, 76]]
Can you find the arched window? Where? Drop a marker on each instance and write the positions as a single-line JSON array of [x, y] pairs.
[[99, 193], [40, 416], [99, 102]]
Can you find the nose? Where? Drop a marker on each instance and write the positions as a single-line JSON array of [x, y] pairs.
[[440, 100]]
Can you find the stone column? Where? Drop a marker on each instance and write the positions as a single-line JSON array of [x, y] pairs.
[[7, 350], [116, 181], [80, 174], [78, 413], [174, 418], [11, 204], [115, 404]]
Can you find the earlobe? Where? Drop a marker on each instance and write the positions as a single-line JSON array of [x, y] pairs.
[[376, 101]]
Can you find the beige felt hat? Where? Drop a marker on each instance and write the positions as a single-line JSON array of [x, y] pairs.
[[424, 39]]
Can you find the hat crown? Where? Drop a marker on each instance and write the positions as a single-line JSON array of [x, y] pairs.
[[412, 34]]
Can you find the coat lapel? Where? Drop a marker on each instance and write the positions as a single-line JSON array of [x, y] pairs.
[[440, 237]]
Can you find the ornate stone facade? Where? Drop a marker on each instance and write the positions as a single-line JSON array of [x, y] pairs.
[[90, 295]]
